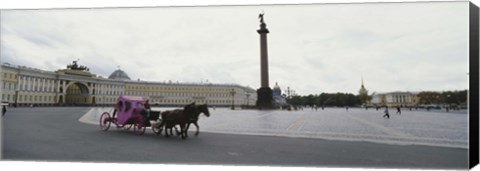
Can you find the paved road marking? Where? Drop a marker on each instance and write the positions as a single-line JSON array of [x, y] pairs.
[[93, 115]]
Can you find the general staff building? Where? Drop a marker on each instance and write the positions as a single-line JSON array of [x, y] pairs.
[[75, 85]]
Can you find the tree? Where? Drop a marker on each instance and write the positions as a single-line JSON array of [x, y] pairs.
[[325, 99], [448, 97]]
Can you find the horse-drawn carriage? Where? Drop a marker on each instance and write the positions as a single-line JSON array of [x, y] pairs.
[[130, 111]]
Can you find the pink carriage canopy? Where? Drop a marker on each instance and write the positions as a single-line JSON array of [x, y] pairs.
[[128, 107]]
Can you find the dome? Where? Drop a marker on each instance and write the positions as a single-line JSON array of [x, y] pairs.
[[276, 90], [119, 75], [276, 87]]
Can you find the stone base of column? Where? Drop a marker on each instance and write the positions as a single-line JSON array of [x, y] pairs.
[[264, 98]]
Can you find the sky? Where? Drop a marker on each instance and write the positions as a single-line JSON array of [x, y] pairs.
[[312, 48]]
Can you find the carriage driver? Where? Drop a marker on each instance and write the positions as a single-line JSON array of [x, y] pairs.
[[146, 110]]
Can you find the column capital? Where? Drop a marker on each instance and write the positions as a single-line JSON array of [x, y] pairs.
[[263, 29]]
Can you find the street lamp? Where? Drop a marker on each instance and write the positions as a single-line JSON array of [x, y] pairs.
[[16, 98], [288, 92], [447, 102], [233, 95]]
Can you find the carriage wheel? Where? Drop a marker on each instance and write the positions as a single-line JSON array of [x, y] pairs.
[[105, 121], [156, 129], [139, 127], [127, 127]]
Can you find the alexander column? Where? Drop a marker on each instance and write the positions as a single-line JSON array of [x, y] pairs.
[[264, 93]]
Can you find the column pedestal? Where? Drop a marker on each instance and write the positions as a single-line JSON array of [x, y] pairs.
[[264, 98]]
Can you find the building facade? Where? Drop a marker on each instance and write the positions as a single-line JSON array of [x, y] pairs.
[[393, 99], [75, 85]]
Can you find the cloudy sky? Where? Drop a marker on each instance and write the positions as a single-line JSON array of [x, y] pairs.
[[312, 48]]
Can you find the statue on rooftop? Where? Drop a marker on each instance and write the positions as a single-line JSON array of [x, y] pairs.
[[74, 66], [260, 16]]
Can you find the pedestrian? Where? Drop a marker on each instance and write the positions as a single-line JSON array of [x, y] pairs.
[[386, 113], [4, 110], [398, 110], [346, 108]]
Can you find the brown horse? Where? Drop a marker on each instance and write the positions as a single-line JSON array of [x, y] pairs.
[[193, 117], [168, 121], [184, 118], [176, 117]]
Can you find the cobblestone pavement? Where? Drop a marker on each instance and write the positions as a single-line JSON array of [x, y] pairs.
[[418, 127]]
